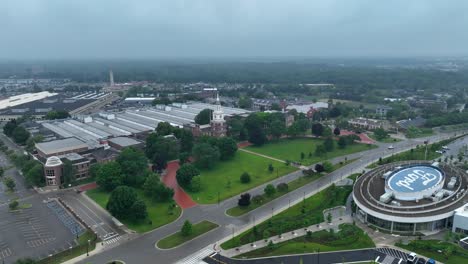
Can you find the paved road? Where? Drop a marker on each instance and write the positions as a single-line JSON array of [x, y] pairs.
[[142, 250]]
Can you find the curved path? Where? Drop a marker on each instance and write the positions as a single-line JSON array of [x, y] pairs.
[[142, 250], [180, 196]]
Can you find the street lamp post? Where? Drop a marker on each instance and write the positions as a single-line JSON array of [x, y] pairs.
[[87, 248]]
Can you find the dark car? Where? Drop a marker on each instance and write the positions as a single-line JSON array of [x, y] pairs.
[[421, 261]]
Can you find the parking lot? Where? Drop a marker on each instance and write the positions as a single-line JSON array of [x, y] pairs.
[[34, 232]]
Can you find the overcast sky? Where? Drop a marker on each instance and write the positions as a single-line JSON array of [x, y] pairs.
[[32, 29]]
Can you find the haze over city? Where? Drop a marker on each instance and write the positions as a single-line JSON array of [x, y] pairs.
[[145, 29]]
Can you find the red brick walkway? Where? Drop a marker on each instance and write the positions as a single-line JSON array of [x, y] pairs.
[[243, 144], [364, 138], [89, 186], [180, 196]]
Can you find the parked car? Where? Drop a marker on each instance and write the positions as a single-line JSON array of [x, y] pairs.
[[431, 261], [421, 261], [411, 258], [390, 147]]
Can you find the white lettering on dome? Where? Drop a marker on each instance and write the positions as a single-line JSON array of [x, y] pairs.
[[408, 180]]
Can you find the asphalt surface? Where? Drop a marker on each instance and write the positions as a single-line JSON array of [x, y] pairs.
[[142, 248]]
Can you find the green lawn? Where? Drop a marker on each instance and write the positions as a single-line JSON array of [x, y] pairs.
[[414, 132], [224, 178], [431, 248], [292, 185], [178, 239], [290, 149], [158, 213], [349, 237], [300, 215], [385, 140]]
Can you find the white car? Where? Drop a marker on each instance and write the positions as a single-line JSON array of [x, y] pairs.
[[390, 147], [411, 257], [439, 151]]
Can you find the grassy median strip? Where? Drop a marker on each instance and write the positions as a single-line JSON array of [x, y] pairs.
[[292, 185], [349, 237], [178, 239]]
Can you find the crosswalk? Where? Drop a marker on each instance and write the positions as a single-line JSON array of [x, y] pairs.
[[5, 253], [394, 253], [198, 257]]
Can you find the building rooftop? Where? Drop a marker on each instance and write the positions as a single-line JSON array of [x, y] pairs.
[[124, 141], [60, 145], [24, 98]]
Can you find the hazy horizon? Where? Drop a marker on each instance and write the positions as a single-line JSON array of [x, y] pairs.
[[242, 29]]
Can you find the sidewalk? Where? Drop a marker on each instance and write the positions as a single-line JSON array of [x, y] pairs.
[[286, 236]]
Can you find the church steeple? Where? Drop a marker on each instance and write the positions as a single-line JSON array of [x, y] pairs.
[[218, 114]]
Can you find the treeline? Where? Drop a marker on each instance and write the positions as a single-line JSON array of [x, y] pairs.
[[448, 119]]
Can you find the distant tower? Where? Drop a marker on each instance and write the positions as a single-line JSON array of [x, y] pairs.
[[218, 124], [111, 78]]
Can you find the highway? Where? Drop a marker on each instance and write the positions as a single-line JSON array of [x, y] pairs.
[[142, 248]]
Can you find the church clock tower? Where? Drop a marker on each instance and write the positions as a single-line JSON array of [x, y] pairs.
[[218, 124]]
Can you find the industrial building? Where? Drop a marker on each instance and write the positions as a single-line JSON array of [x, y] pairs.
[[37, 105], [95, 130], [412, 197]]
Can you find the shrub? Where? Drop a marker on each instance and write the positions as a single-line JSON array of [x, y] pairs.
[[186, 228], [13, 205], [245, 177], [257, 199], [270, 190], [244, 200], [282, 187]]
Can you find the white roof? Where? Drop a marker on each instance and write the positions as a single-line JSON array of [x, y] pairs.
[[24, 98], [53, 161], [462, 211], [306, 107]]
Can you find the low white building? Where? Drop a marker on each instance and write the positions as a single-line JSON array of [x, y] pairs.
[[460, 220]]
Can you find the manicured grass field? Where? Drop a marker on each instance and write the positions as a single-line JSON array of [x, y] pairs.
[[158, 213], [300, 215], [349, 237], [224, 178], [290, 149], [178, 239], [293, 185], [430, 248], [385, 140]]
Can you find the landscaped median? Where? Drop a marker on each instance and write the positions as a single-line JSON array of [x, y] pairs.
[[303, 214], [349, 237], [291, 186], [182, 237]]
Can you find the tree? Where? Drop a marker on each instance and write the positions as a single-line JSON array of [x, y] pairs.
[[317, 129], [205, 155], [257, 136], [327, 166], [9, 127], [320, 150], [184, 158], [328, 144], [227, 147], [282, 187], [57, 114], [160, 150], [9, 183], [277, 129], [329, 217], [35, 175], [342, 142], [245, 103], [154, 188], [302, 155], [138, 210], [20, 135], [270, 190], [245, 177], [121, 201], [195, 185], [337, 131], [2, 171], [319, 168], [187, 229], [275, 107], [13, 205], [185, 174], [204, 117], [134, 166], [164, 129], [68, 172], [244, 200], [270, 168], [110, 176], [293, 130], [380, 133]]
